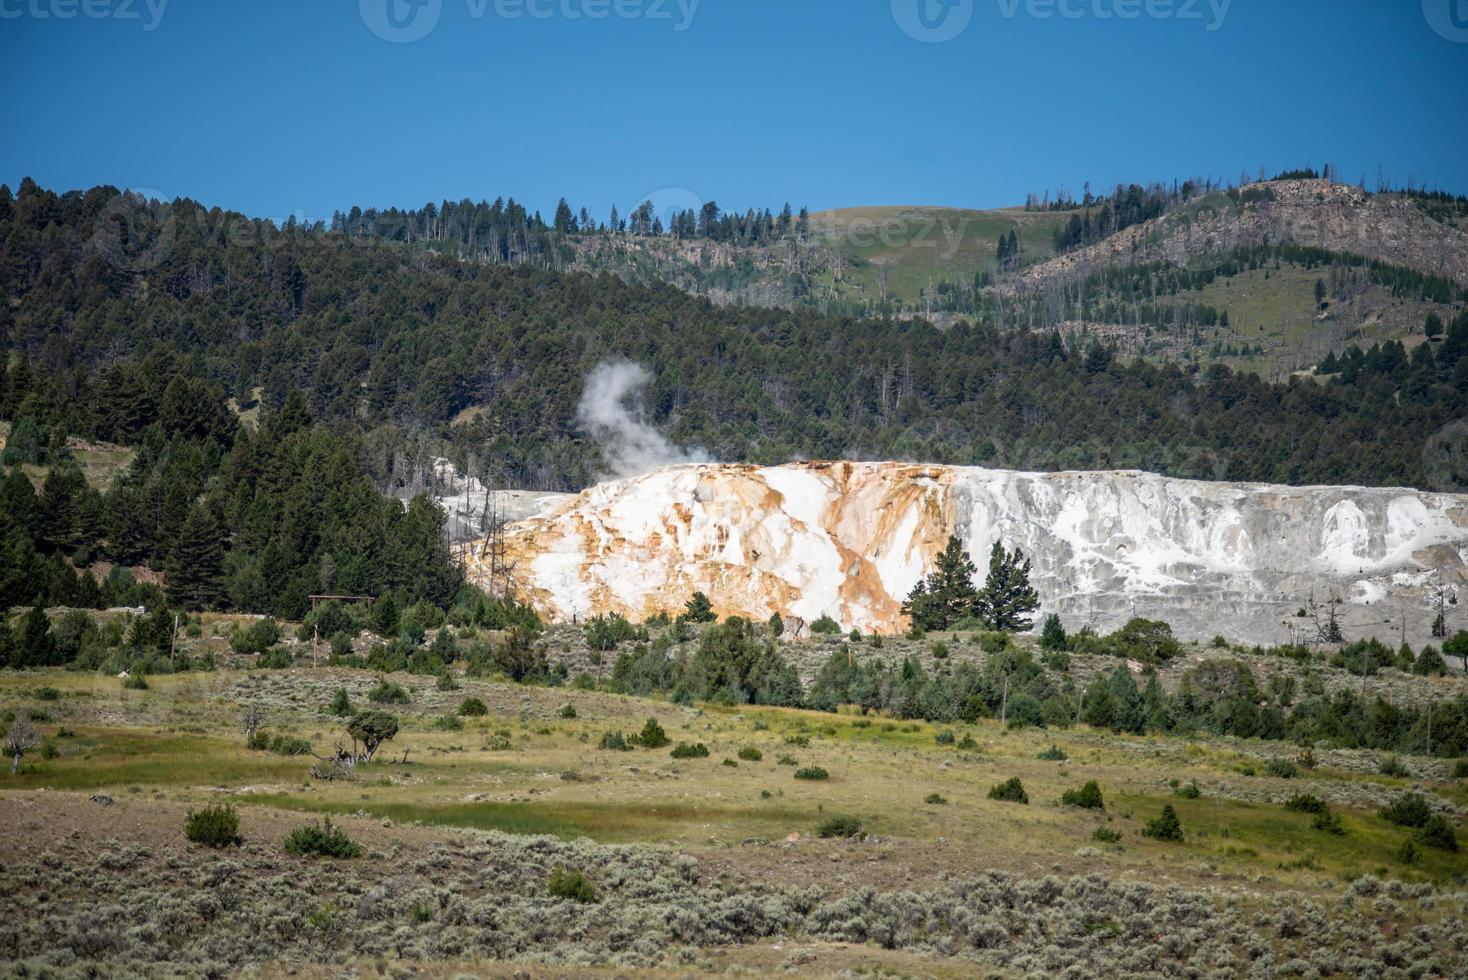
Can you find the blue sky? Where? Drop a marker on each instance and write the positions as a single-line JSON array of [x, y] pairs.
[[275, 108]]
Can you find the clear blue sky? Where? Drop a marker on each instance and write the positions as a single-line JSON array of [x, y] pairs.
[[275, 107]]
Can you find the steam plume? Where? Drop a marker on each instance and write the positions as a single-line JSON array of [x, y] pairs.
[[630, 446]]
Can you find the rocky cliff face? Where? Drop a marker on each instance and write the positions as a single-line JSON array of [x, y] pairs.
[[850, 540]]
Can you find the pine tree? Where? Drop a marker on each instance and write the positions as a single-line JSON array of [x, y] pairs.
[[699, 609], [37, 646], [948, 593], [1007, 598], [195, 569], [1053, 637]]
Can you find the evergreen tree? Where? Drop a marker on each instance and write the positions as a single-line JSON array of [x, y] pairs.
[[1007, 598], [699, 609], [195, 569], [947, 594], [1053, 637], [37, 646]]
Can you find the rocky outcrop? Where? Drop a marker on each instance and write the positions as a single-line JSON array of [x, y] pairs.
[[1318, 213], [850, 539]]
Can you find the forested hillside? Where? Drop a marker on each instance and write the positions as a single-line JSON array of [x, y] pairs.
[[400, 342]]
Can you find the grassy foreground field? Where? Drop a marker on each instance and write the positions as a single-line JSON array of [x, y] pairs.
[[708, 864]]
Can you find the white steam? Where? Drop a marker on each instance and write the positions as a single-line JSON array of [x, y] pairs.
[[630, 446]]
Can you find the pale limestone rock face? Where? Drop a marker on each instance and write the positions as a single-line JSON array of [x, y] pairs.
[[851, 539]]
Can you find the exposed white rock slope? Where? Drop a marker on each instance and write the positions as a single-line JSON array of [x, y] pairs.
[[850, 540]]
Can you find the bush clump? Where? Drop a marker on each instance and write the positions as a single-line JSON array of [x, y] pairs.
[[653, 736], [1105, 835], [615, 741], [318, 840], [751, 754], [812, 772], [1328, 822], [1407, 810], [842, 827], [571, 884], [217, 825], [135, 682], [1392, 766], [1306, 803], [945, 737], [1188, 790], [936, 798], [1087, 797], [1165, 826], [1053, 754], [388, 692], [1282, 768], [683, 750], [1437, 832], [473, 708], [568, 711], [1010, 791]]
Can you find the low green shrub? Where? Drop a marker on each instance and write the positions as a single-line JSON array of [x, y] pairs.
[[1165, 826], [945, 737], [289, 745], [730, 763], [1087, 797], [318, 840], [653, 736], [1407, 810], [1328, 822], [388, 692], [786, 760], [1105, 835], [1437, 832], [751, 754], [448, 723], [1053, 754], [1306, 803], [217, 825], [1282, 768], [1188, 790], [841, 827], [1009, 791], [812, 772], [570, 883], [567, 711], [683, 750], [614, 741], [135, 682], [936, 798], [46, 694], [473, 708], [967, 743], [1392, 766]]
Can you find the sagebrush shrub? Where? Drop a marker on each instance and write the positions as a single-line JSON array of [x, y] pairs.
[[750, 754], [1282, 768], [217, 825], [683, 750], [318, 840], [812, 772]]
